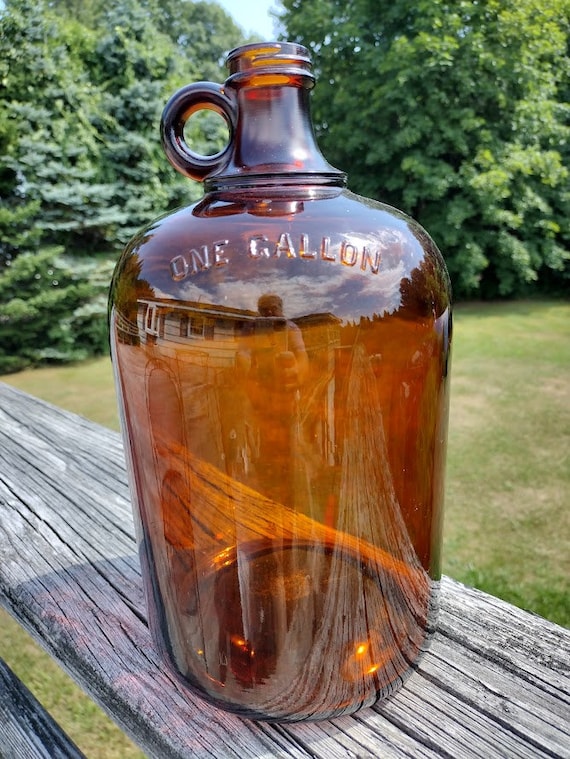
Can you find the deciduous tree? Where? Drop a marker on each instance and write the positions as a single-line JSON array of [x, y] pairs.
[[458, 114]]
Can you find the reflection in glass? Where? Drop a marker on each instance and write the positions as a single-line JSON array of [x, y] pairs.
[[281, 351], [288, 474]]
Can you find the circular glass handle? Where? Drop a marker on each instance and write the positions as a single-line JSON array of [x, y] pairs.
[[181, 106]]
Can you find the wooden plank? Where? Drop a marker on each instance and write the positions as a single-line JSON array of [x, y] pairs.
[[27, 729], [495, 682]]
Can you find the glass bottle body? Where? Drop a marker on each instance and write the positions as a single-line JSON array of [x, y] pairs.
[[282, 361]]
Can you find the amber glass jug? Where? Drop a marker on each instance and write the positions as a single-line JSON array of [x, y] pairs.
[[281, 352]]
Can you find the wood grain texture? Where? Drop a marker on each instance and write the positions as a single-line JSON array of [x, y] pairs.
[[27, 729], [494, 683]]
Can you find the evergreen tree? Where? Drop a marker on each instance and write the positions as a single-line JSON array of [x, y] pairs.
[[17, 213], [83, 85], [50, 147], [135, 69], [81, 161], [50, 310]]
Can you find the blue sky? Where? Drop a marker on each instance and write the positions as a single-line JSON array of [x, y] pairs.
[[252, 15]]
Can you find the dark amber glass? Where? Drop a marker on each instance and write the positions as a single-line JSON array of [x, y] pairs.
[[281, 351]]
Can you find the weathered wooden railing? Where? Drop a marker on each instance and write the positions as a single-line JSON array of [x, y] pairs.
[[495, 682]]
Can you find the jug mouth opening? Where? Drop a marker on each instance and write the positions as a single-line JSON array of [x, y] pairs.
[[269, 59]]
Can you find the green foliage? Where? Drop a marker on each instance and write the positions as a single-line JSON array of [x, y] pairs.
[[82, 85], [51, 309], [203, 33], [134, 70], [51, 149], [458, 114], [80, 156], [17, 213]]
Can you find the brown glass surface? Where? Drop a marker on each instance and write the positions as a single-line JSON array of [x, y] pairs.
[[281, 352], [287, 466]]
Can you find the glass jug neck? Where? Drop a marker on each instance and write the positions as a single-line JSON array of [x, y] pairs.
[[273, 142]]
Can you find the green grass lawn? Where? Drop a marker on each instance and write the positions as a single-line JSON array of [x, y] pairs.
[[508, 483]]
